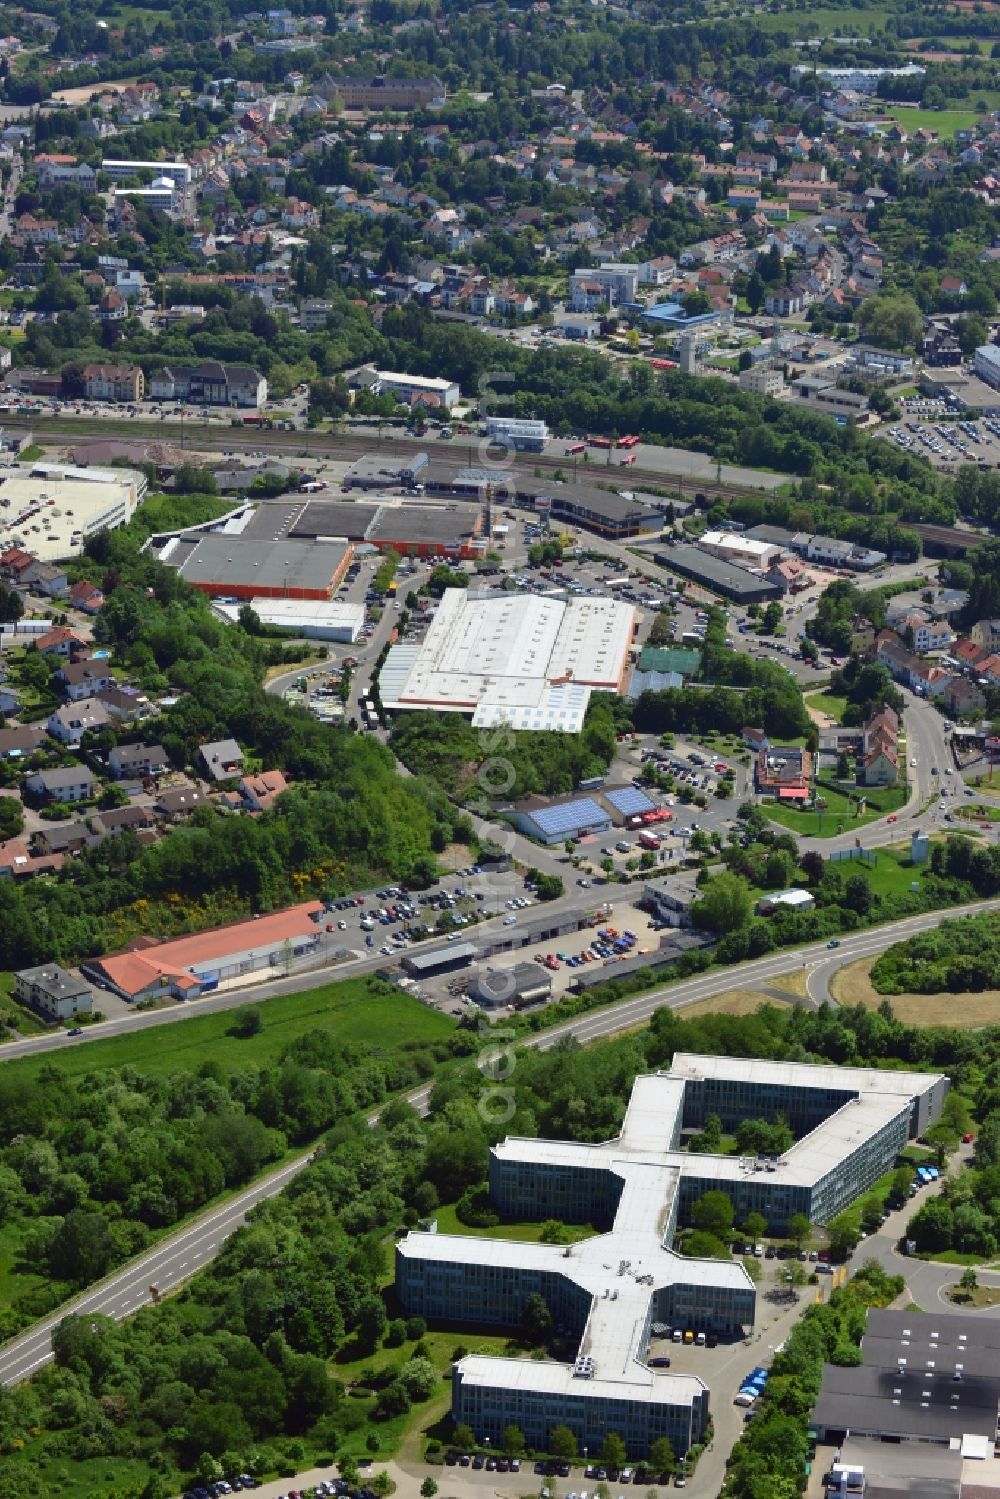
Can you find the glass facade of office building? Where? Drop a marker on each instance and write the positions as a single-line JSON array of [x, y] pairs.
[[589, 1413]]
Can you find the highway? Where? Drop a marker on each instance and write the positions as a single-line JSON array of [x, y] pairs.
[[181, 1254]]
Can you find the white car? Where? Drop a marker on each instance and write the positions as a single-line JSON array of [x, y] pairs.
[[509, 920]]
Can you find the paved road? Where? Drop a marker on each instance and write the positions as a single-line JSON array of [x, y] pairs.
[[181, 1254]]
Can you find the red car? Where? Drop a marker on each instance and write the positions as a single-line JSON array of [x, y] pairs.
[[967, 1139], [891, 817]]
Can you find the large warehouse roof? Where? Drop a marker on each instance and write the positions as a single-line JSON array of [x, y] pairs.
[[231, 561], [527, 660]]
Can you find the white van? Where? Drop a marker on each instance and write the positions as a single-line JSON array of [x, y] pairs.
[[744, 1398], [700, 1340]]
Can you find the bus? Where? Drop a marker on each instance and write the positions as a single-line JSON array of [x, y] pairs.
[[256, 419], [663, 364], [575, 448], [621, 582], [601, 442], [630, 441]]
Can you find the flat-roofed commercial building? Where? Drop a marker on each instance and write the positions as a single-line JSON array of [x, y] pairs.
[[179, 172], [526, 436], [726, 578], [230, 566], [607, 1291], [313, 619], [67, 505], [745, 551], [417, 390], [928, 1378], [528, 661]]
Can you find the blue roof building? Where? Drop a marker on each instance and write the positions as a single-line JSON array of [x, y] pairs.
[[554, 823], [670, 317]]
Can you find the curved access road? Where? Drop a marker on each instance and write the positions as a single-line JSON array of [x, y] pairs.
[[178, 1256], [875, 940]]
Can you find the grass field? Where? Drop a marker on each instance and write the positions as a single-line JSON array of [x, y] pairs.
[[825, 702], [524, 1233], [379, 1018], [838, 816], [944, 121], [732, 1002], [981, 812], [832, 22], [852, 985]]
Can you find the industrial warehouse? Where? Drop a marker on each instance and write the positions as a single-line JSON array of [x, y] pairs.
[[609, 1290], [530, 662]]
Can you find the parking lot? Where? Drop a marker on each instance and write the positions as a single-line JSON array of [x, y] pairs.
[[949, 441]]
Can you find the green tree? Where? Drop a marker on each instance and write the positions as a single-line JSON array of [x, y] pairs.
[[613, 1451], [562, 1443], [661, 1455], [725, 904], [513, 1440], [773, 615], [536, 1320], [463, 1436], [712, 1213], [755, 1227], [247, 1022], [799, 1229], [428, 1488], [970, 1280]]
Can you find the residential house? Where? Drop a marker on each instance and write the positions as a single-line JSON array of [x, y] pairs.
[[879, 756], [86, 596], [862, 636], [60, 641], [143, 760], [963, 698], [222, 759], [45, 577], [210, 384], [52, 992], [17, 861], [70, 783], [80, 679], [259, 792], [126, 704], [20, 740], [179, 802], [114, 382], [928, 635], [984, 633], [70, 722], [756, 739]]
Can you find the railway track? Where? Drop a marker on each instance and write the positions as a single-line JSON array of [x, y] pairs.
[[199, 436]]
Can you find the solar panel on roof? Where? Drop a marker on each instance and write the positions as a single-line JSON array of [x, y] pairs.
[[569, 816], [629, 801]]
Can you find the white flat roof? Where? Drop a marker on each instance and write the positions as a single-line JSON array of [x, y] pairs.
[[527, 660], [69, 505], [689, 1064], [317, 614], [538, 1376]]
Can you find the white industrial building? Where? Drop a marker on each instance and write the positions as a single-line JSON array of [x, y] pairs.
[[744, 551], [161, 194], [526, 436], [987, 364], [313, 619], [178, 171], [527, 661], [414, 389], [610, 1290]]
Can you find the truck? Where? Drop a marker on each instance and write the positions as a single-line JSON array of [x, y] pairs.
[[648, 840]]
